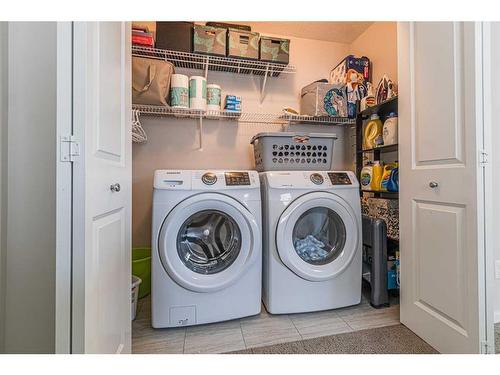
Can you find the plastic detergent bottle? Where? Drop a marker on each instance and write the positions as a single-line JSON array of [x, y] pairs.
[[393, 183], [390, 130], [376, 175], [366, 177], [373, 133], [386, 174]]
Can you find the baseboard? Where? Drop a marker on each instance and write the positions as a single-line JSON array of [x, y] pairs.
[[496, 317]]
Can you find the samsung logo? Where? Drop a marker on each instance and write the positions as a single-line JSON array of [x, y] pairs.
[[172, 172]]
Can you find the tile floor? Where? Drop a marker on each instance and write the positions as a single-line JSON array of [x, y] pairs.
[[256, 331]]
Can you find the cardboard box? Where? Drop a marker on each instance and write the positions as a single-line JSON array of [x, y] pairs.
[[274, 50], [209, 40], [323, 99], [354, 73], [242, 44]]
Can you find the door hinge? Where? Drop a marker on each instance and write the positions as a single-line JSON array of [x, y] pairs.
[[69, 148], [485, 348], [483, 158]]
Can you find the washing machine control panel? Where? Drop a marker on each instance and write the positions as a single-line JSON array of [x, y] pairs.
[[209, 178], [237, 178], [339, 178], [317, 179]]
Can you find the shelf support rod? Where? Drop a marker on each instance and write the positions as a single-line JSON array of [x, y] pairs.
[[263, 88], [200, 133], [207, 60]]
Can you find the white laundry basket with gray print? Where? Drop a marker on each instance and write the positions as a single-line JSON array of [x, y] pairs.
[[293, 151], [136, 281]]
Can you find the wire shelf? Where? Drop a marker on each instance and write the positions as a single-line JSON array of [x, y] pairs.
[[319, 120], [255, 118], [215, 63]]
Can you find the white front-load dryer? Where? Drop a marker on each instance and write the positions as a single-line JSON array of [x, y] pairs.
[[207, 247], [311, 241]]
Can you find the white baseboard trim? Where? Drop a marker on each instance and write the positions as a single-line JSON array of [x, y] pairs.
[[496, 317]]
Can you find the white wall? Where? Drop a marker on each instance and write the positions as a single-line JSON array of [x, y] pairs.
[[173, 143], [3, 160], [379, 43], [495, 159], [30, 261]]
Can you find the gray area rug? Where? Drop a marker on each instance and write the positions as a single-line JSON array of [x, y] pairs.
[[386, 340], [497, 338]]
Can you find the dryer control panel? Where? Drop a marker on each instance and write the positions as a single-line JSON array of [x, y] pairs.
[[237, 178], [339, 178], [316, 180], [205, 180]]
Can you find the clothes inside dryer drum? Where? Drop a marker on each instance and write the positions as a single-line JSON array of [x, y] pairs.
[[319, 236], [209, 242]]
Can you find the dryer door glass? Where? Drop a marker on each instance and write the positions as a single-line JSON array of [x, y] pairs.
[[319, 236], [208, 242]]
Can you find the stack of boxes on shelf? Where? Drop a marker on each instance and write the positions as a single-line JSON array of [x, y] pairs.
[[221, 39], [337, 96], [232, 103]]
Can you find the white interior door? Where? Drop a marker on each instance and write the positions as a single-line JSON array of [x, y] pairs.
[[440, 127], [102, 188]]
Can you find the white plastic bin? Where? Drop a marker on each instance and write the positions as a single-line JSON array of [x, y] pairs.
[[135, 294]]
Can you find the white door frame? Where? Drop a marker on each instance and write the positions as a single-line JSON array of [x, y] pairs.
[[64, 171], [488, 258]]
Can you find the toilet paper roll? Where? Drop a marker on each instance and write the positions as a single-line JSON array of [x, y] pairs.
[[179, 91], [198, 93]]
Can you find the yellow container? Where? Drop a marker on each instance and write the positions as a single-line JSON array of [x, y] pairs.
[[377, 171], [373, 133], [386, 174]]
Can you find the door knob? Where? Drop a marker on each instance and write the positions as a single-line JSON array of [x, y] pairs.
[[115, 188], [433, 184]]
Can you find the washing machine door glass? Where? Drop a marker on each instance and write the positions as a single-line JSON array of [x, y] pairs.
[[318, 236], [208, 242]]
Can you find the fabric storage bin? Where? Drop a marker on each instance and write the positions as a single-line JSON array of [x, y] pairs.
[[224, 25], [175, 36], [209, 40], [293, 151], [242, 44], [151, 80], [323, 99], [386, 209], [274, 49]]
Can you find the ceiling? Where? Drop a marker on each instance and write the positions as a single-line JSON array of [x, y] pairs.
[[341, 32]]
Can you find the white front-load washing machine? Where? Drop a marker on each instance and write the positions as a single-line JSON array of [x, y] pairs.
[[311, 241], [207, 247]]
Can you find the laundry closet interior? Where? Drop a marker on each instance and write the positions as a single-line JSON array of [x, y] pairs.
[[268, 94]]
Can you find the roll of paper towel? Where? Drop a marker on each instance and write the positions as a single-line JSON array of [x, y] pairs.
[[179, 91], [198, 93], [213, 97]]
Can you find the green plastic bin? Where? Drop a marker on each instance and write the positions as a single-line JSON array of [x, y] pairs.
[[141, 267]]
